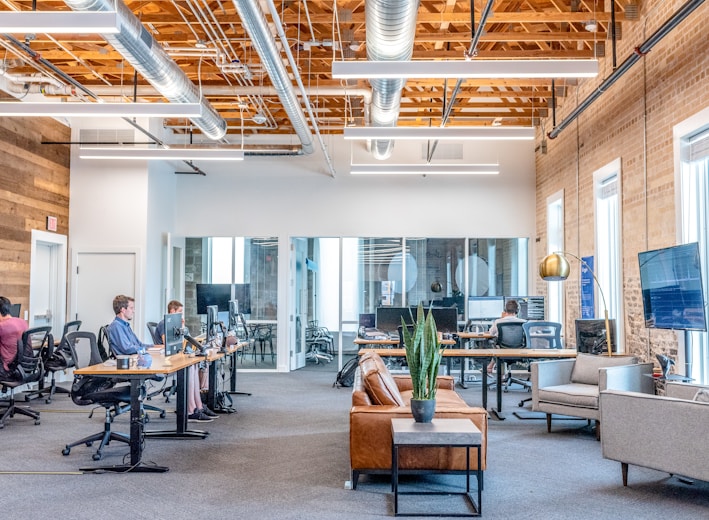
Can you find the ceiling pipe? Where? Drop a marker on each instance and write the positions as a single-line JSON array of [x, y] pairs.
[[679, 16], [255, 25], [391, 29], [147, 56]]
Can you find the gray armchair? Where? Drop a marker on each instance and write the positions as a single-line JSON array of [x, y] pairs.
[[667, 433], [572, 386]]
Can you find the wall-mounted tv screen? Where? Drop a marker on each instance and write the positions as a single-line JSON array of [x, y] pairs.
[[672, 290], [217, 294]]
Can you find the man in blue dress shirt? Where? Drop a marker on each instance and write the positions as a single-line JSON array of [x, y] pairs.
[[123, 340]]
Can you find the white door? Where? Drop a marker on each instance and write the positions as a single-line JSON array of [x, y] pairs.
[[299, 317], [47, 281], [98, 278]]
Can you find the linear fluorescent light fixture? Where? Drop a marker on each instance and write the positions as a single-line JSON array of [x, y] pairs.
[[424, 169], [465, 69], [59, 22], [166, 154], [458, 133], [90, 109]]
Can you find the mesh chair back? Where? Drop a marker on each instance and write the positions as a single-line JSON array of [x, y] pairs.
[[510, 335], [543, 334], [71, 326], [84, 348], [153, 329], [36, 345]]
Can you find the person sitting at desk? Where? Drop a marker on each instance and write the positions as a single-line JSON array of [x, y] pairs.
[[196, 410], [124, 341], [509, 315], [11, 330]]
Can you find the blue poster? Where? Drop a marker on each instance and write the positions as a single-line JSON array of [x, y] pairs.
[[588, 304]]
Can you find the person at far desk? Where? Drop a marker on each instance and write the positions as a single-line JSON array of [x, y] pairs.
[[11, 330], [197, 412], [509, 315], [124, 342]]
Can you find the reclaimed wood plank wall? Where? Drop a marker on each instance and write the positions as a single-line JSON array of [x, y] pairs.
[[34, 184]]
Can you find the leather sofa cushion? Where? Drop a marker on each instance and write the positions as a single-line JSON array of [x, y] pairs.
[[574, 394], [378, 382], [586, 367]]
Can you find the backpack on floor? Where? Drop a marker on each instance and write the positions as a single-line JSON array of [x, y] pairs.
[[345, 377]]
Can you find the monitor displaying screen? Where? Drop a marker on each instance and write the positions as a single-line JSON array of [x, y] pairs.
[[15, 310], [672, 290], [368, 320], [389, 318], [173, 333], [530, 307], [446, 318], [485, 307], [217, 294], [591, 336]]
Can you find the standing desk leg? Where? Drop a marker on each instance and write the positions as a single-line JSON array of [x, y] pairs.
[[136, 438], [498, 412], [232, 379]]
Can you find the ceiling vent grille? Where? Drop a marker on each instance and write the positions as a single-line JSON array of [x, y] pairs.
[[94, 137]]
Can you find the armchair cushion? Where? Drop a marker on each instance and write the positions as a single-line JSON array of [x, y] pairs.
[[378, 382], [586, 367], [577, 395]]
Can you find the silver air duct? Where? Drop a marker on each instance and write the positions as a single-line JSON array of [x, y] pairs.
[[146, 55], [255, 24], [391, 28]]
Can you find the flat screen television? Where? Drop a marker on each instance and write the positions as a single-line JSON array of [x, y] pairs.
[[672, 290], [591, 336], [173, 333], [217, 294], [485, 307]]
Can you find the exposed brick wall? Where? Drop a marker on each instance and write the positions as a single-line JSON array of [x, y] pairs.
[[633, 121]]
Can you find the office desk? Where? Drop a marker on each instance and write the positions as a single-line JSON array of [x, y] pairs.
[[497, 353], [174, 364], [475, 337], [391, 342]]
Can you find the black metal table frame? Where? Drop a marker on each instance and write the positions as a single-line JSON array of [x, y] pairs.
[[477, 507]]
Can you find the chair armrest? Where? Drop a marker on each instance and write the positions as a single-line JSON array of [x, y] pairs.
[[683, 390], [629, 378]]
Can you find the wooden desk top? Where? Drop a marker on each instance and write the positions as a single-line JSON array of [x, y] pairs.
[[475, 335], [230, 349], [486, 352], [158, 366]]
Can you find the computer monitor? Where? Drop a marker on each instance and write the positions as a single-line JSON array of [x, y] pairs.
[[213, 327], [368, 320], [233, 314], [173, 333], [389, 318], [217, 294], [15, 310], [530, 307], [485, 308], [591, 336], [446, 318]]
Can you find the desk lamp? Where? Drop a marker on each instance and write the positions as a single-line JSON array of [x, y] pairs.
[[555, 267]]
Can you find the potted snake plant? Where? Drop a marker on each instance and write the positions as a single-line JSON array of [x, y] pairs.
[[423, 355]]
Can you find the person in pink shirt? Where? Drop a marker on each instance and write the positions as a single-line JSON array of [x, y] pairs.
[[11, 330]]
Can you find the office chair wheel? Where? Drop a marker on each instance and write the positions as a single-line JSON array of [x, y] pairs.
[[89, 444], [97, 456], [36, 422], [66, 451], [162, 414], [48, 400]]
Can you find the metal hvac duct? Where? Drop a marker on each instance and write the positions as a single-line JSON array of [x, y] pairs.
[[255, 24], [146, 55], [391, 28]]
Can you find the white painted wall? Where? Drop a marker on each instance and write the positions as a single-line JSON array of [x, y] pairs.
[[123, 204]]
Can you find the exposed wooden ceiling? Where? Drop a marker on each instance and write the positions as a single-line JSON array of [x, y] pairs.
[[207, 40]]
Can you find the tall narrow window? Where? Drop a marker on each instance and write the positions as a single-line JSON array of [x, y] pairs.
[[694, 210], [555, 242], [608, 247]]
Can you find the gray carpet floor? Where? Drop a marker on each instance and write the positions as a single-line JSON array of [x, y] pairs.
[[284, 455]]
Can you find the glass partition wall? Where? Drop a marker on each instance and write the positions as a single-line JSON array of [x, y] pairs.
[[249, 265], [336, 282]]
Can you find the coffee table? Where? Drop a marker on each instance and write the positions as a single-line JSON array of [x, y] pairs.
[[438, 433]]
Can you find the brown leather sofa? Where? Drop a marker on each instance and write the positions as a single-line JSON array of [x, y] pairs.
[[377, 397]]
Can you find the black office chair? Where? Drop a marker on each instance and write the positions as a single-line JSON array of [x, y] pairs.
[[511, 335], [153, 329], [60, 360], [541, 334], [28, 368], [103, 391]]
